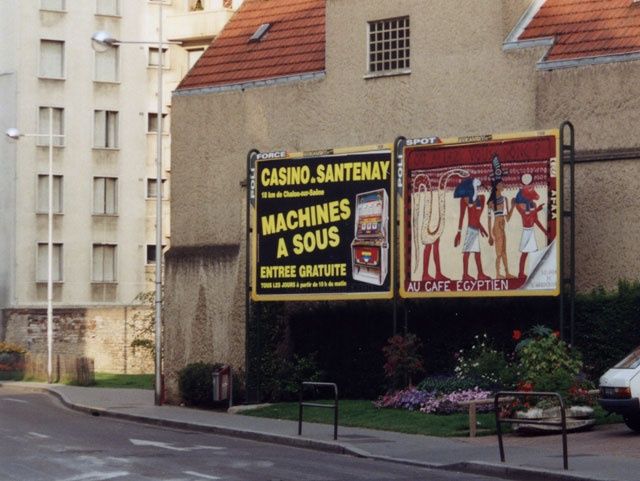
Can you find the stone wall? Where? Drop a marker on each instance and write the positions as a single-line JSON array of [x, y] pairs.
[[103, 334]]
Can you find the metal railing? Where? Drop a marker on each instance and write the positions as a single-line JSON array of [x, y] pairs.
[[333, 406], [541, 422]]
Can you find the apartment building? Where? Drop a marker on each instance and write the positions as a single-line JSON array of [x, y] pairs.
[[104, 111]]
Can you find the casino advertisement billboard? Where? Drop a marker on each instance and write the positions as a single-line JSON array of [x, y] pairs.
[[480, 216], [322, 225]]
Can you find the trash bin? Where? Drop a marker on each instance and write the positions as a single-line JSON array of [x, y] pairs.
[[222, 384]]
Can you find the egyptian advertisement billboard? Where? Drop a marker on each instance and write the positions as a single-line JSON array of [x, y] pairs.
[[480, 216], [322, 225]]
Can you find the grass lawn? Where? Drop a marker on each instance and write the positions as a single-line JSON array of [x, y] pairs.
[[363, 414], [138, 381]]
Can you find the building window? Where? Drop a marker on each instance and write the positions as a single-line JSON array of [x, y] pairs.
[[194, 54], [152, 190], [54, 5], [151, 253], [42, 268], [105, 129], [389, 45], [152, 122], [51, 59], [108, 7], [104, 263], [154, 58], [43, 126], [105, 195], [107, 65], [43, 194]]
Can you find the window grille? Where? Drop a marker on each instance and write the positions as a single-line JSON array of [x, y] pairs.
[[389, 45]]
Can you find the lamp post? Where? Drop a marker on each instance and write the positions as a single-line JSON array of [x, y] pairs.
[[15, 134], [100, 42]]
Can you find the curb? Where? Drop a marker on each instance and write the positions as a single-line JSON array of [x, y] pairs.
[[470, 467]]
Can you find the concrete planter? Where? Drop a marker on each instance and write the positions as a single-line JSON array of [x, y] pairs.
[[578, 418]]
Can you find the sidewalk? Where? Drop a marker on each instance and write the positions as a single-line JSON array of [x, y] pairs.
[[606, 453]]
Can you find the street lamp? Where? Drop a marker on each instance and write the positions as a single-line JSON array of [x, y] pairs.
[[15, 134], [101, 41]]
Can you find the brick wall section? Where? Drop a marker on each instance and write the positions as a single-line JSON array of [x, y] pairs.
[[103, 334]]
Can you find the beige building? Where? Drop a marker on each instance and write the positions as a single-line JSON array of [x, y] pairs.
[[104, 187], [467, 68]]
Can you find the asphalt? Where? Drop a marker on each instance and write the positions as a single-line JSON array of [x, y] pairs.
[[610, 452]]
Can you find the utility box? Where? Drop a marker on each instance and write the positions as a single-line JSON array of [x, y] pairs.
[[223, 385]]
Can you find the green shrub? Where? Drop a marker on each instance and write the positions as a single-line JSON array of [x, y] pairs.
[[606, 326], [545, 356], [283, 376], [196, 383], [485, 366], [446, 384]]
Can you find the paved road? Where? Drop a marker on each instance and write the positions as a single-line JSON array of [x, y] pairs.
[[41, 440]]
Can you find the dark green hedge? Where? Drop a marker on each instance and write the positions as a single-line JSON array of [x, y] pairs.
[[342, 341]]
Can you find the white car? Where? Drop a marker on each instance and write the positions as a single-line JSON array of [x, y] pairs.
[[620, 390]]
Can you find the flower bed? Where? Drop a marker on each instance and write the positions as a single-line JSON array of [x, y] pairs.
[[432, 402]]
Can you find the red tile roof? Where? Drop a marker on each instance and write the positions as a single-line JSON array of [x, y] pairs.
[[587, 28], [295, 44]]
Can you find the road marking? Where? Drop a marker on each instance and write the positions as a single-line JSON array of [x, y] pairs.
[[171, 447], [14, 400], [98, 476], [38, 435], [200, 475]]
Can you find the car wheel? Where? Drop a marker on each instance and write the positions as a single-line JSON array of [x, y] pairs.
[[633, 422]]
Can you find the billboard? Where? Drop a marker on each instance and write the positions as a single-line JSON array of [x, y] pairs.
[[480, 216], [321, 225]]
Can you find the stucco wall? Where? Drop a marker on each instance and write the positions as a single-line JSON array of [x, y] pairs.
[[461, 83]]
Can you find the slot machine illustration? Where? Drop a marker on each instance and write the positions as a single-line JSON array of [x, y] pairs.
[[370, 247]]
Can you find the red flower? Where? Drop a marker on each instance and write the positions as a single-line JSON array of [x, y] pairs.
[[525, 386], [556, 333], [516, 334]]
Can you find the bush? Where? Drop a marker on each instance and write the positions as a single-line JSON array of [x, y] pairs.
[[7, 347], [446, 384], [483, 365], [402, 359], [545, 360], [606, 326], [196, 383]]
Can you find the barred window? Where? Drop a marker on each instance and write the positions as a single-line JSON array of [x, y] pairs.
[[389, 45]]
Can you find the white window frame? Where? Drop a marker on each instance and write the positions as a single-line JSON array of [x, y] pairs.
[[385, 47], [117, 13], [48, 9], [114, 50], [165, 57], [41, 66], [109, 138], [94, 275], [153, 181], [42, 249], [108, 183], [43, 126], [42, 194]]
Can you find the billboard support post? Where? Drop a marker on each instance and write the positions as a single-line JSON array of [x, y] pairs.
[[398, 149], [250, 201], [567, 154]]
